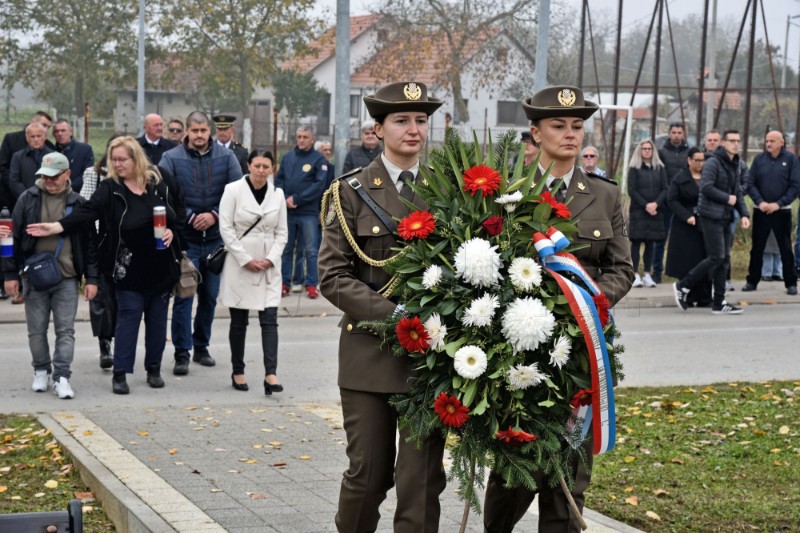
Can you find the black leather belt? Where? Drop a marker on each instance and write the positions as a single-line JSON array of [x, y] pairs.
[[378, 210]]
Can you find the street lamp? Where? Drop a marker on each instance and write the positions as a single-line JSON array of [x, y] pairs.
[[786, 47]]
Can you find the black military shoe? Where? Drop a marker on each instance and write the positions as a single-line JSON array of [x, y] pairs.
[[202, 357], [181, 363], [106, 359], [154, 378], [118, 383]]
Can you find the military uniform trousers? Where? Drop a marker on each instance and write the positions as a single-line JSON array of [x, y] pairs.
[[378, 462], [503, 507]]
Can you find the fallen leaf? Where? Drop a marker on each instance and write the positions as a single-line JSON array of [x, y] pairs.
[[653, 516], [87, 509], [660, 492], [88, 432], [144, 433], [257, 496], [38, 495], [173, 451], [84, 496], [274, 443], [216, 490], [775, 450], [278, 464], [784, 430], [629, 459], [628, 489], [51, 484], [305, 457], [16, 498], [258, 446], [677, 461], [632, 500]]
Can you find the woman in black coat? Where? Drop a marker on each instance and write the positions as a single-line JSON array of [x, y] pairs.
[[647, 188], [686, 247]]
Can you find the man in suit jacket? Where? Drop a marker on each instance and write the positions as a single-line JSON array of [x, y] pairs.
[[352, 279], [79, 154], [12, 143], [153, 141], [25, 162]]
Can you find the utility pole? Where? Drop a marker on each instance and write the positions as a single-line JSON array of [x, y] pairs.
[[342, 114], [542, 45], [712, 69], [140, 73], [786, 48]]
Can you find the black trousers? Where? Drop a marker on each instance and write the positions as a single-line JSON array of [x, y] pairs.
[[103, 309], [268, 320], [717, 237], [780, 223]]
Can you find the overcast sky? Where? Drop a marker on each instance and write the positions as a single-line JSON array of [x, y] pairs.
[[638, 12]]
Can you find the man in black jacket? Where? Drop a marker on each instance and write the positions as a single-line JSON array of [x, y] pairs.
[[720, 194], [361, 156], [48, 201], [153, 141], [24, 163], [674, 155], [773, 183], [80, 154], [12, 143]]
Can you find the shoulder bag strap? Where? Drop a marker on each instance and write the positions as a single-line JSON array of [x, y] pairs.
[[379, 212], [61, 240]]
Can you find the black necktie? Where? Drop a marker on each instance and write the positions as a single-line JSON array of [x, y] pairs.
[[407, 178], [561, 194]]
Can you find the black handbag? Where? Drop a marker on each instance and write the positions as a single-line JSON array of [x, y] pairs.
[[42, 267], [216, 259]]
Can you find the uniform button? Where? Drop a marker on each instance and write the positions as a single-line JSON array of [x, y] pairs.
[[597, 233], [376, 229], [349, 327]]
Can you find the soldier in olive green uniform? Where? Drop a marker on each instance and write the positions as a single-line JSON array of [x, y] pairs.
[[557, 115], [357, 242], [226, 138]]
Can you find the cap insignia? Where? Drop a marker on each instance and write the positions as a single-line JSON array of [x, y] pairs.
[[412, 91], [566, 97]]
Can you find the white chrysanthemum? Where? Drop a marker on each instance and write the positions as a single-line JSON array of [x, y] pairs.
[[509, 201], [470, 362], [525, 273], [527, 323], [478, 263], [436, 331], [521, 377], [481, 311], [432, 276], [559, 355]]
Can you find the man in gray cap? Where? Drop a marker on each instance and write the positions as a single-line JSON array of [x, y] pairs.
[[49, 200]]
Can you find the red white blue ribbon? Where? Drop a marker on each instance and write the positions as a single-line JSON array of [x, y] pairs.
[[601, 416]]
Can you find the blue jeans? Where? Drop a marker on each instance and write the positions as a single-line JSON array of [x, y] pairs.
[[130, 307], [772, 267], [183, 337], [303, 236], [62, 301], [717, 238]]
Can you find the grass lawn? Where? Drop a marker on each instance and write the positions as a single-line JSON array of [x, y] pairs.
[[720, 458], [36, 475]]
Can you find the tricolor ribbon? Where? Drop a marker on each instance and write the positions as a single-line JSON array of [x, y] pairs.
[[601, 415]]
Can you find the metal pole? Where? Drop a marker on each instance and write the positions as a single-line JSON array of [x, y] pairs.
[[701, 84], [748, 95], [712, 69], [140, 72], [785, 51], [654, 118], [613, 118], [341, 135], [542, 45], [583, 44]]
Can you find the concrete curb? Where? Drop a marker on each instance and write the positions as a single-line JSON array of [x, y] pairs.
[[123, 507]]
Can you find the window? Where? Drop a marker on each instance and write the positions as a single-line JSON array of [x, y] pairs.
[[355, 106], [510, 113]]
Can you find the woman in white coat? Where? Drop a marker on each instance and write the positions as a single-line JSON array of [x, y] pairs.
[[251, 277]]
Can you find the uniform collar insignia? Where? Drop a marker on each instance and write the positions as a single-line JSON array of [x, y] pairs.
[[581, 186], [377, 182]]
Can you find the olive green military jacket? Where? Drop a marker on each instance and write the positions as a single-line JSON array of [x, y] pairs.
[[352, 284], [596, 204]]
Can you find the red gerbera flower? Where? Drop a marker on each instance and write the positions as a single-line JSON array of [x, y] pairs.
[[412, 335], [582, 397], [450, 410], [417, 224], [481, 178], [513, 437], [561, 210], [603, 307], [493, 225]]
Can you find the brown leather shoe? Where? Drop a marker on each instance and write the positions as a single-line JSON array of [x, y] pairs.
[[18, 299]]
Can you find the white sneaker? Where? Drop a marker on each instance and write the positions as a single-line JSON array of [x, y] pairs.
[[41, 379], [648, 281], [62, 389], [297, 288], [637, 281]]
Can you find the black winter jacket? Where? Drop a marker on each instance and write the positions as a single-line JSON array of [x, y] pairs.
[[674, 158], [720, 179], [29, 211]]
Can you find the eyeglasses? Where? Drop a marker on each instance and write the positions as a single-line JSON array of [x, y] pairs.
[[589, 156], [368, 133], [698, 160], [175, 130], [647, 149], [120, 160]]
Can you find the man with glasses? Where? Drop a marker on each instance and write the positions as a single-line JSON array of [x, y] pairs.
[[80, 154], [175, 131], [773, 183], [153, 141], [589, 159], [673, 153], [720, 194], [361, 156], [49, 200]]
